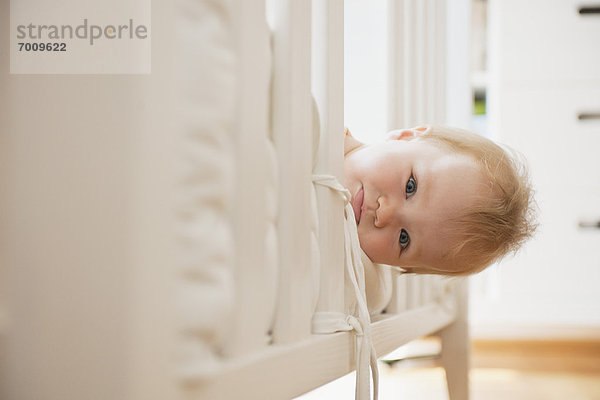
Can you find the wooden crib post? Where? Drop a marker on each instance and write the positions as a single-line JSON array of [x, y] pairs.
[[455, 346]]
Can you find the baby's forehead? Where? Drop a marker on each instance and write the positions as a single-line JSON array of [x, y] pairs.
[[451, 177]]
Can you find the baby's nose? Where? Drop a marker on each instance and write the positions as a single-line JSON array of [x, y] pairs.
[[385, 212]]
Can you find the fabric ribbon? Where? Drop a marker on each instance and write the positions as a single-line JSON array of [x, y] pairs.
[[329, 322]]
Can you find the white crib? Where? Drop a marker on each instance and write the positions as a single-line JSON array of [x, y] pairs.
[[211, 249]]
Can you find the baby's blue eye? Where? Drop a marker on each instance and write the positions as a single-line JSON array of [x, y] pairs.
[[404, 239], [411, 186]]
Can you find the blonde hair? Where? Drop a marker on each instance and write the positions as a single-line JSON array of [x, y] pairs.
[[500, 224]]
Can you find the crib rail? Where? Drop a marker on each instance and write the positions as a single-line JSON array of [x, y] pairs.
[[297, 368], [307, 273]]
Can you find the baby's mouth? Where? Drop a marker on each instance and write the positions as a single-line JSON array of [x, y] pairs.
[[357, 203]]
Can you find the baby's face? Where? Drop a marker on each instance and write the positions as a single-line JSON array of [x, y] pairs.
[[404, 193]]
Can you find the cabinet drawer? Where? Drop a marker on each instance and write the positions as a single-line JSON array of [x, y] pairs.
[[545, 123], [545, 39]]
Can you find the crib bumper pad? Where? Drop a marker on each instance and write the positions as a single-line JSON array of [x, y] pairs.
[[357, 319]]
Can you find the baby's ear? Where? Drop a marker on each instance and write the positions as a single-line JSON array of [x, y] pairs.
[[408, 134], [350, 143]]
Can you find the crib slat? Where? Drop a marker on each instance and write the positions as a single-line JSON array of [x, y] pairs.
[[255, 283], [413, 292], [417, 292], [439, 97], [417, 62], [398, 301], [328, 90], [421, 285], [406, 42], [410, 66], [292, 121], [397, 54], [419, 53], [426, 289], [430, 59]]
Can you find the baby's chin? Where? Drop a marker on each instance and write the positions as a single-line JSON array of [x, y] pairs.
[[373, 256]]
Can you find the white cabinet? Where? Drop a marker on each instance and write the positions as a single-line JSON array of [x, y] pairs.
[[545, 74], [542, 40], [562, 153]]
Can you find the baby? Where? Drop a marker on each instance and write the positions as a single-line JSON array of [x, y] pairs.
[[437, 200]]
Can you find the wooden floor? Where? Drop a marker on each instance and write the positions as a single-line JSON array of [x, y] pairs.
[[499, 371]]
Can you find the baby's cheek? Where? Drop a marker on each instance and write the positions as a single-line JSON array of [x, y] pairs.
[[375, 247]]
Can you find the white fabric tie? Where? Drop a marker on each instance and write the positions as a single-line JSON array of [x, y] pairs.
[[329, 322]]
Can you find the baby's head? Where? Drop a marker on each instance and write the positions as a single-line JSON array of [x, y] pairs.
[[438, 200]]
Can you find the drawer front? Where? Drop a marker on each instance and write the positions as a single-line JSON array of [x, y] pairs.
[[545, 39], [557, 128]]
